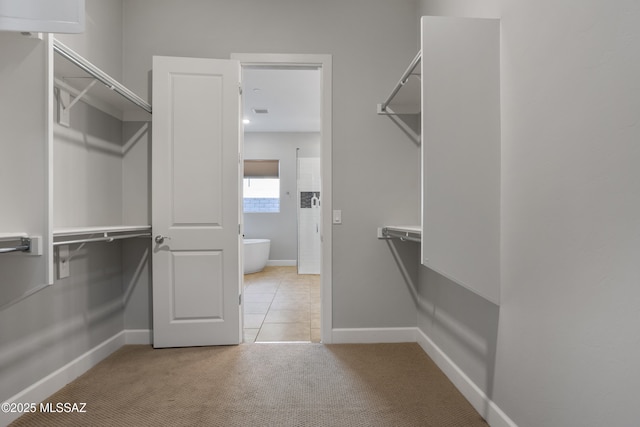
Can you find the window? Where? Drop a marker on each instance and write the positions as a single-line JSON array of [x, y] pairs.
[[261, 186]]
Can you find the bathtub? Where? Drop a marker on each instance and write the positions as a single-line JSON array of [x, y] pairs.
[[256, 254]]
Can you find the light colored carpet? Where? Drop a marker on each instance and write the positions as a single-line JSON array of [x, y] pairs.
[[264, 385]]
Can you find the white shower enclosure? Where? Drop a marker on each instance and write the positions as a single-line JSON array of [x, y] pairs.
[[309, 201]]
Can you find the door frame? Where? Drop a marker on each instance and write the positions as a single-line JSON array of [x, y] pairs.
[[323, 62]]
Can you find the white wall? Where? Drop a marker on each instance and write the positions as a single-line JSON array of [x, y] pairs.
[[281, 227], [376, 170], [562, 348]]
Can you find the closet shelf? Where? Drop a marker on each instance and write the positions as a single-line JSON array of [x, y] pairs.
[[8, 237], [73, 235], [405, 98], [75, 75], [412, 233]]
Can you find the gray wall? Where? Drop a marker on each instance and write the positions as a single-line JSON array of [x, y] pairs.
[[376, 170], [136, 210], [121, 195], [562, 348], [371, 43], [101, 43], [24, 209], [280, 227], [51, 328], [23, 161]]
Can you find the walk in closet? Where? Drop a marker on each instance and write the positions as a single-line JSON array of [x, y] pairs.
[[91, 145], [453, 84], [96, 180], [101, 181], [75, 180]]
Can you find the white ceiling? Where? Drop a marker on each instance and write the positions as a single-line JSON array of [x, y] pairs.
[[292, 97]]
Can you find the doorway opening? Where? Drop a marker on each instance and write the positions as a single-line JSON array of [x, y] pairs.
[[285, 104]]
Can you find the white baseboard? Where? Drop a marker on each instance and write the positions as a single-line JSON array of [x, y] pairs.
[[53, 382], [372, 335], [478, 399], [282, 263]]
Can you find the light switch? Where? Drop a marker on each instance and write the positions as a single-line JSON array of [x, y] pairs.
[[337, 217]]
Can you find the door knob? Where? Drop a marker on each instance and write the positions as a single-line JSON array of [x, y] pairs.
[[160, 239]]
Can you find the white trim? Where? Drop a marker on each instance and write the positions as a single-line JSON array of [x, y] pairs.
[[373, 335], [282, 263], [42, 389], [324, 62], [478, 399], [48, 237], [494, 416], [53, 382]]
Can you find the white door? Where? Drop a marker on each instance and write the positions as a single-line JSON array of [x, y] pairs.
[[309, 218], [195, 202]]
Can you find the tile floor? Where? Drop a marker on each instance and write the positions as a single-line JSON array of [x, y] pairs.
[[281, 305]]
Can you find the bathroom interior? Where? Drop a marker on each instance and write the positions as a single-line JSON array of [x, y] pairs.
[[281, 204]]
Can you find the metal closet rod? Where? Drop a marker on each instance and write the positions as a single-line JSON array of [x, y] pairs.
[[105, 238], [24, 246], [402, 80], [100, 75]]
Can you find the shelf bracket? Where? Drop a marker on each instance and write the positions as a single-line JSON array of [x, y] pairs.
[[65, 102]]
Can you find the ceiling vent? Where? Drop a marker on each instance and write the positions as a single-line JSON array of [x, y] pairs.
[[260, 110]]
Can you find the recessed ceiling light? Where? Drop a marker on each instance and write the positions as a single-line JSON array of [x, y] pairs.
[[246, 121]]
